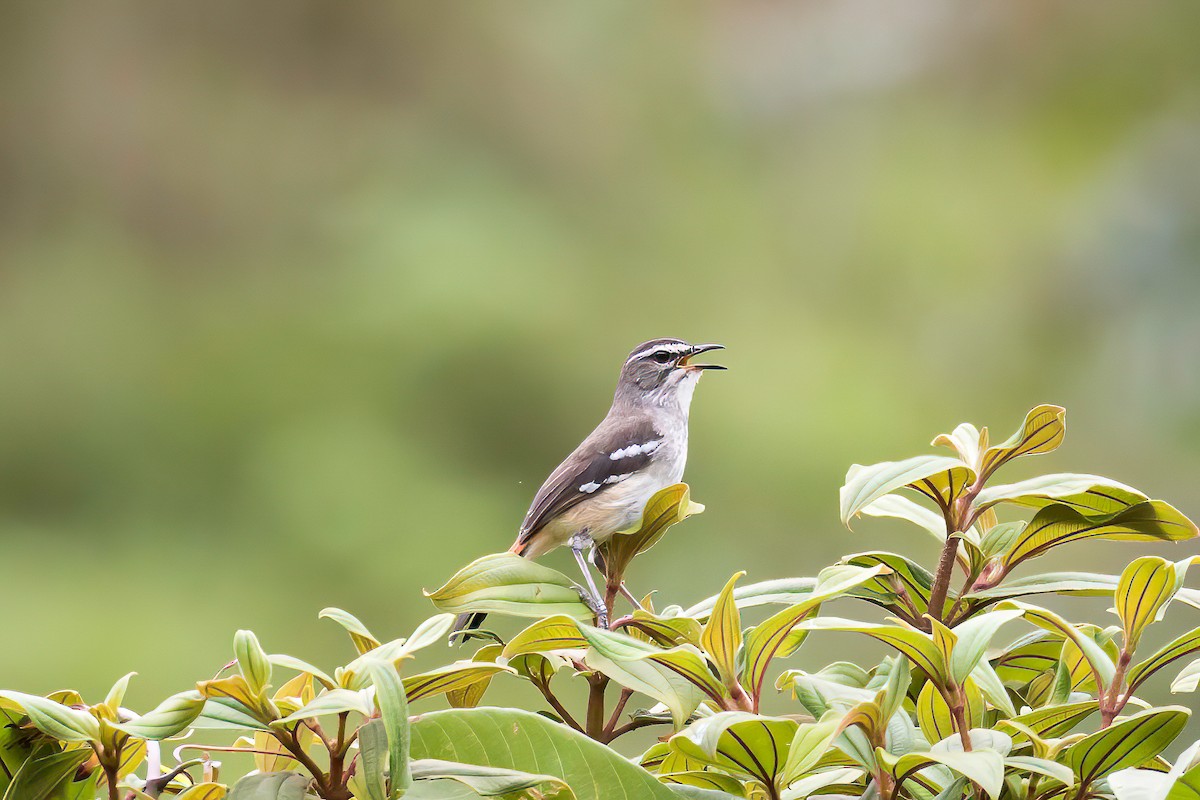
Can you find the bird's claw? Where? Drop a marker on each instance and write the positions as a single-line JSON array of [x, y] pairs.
[[595, 605]]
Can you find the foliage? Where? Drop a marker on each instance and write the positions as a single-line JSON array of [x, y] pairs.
[[1052, 714]]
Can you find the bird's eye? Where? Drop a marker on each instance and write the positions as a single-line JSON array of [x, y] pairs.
[[662, 357]]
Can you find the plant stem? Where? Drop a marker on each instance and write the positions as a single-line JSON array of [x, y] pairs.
[[616, 714], [557, 705], [292, 745], [1111, 702], [941, 581], [595, 709]]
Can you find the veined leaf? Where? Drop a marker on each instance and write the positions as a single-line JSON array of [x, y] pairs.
[[918, 646], [901, 574], [1146, 585], [54, 719], [364, 640], [974, 636], [808, 746], [678, 678], [1041, 766], [37, 778], [1051, 721], [226, 713], [1059, 524], [203, 791], [866, 484], [984, 767], [742, 744], [171, 717], [665, 508], [469, 696], [665, 630], [1088, 494], [1043, 431], [116, 695], [770, 637], [505, 583], [370, 780], [1101, 664], [1128, 743], [1183, 645], [722, 636], [933, 714], [526, 742], [451, 677]]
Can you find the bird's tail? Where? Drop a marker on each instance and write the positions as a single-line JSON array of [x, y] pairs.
[[464, 624]]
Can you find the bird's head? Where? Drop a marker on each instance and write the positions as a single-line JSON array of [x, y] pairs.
[[660, 371]]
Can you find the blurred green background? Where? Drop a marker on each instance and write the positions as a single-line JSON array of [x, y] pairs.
[[300, 301]]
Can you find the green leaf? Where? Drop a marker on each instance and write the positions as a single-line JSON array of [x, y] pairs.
[[37, 778], [782, 591], [810, 743], [1059, 524], [492, 781], [866, 484], [116, 695], [1051, 721], [451, 677], [665, 508], [252, 660], [227, 713], [1041, 766], [984, 767], [1128, 743], [742, 744], [1146, 585], [1088, 494], [722, 636], [933, 714], [170, 717], [679, 678], [505, 583], [918, 646], [393, 709], [363, 640], [331, 701], [54, 719], [900, 574], [519, 740], [974, 636], [291, 662], [1082, 584], [1101, 664], [270, 786], [558, 632], [966, 440], [470, 695], [1183, 645], [1188, 678], [899, 507], [371, 777], [770, 637], [1043, 431]]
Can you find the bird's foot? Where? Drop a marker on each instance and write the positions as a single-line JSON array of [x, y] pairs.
[[595, 605]]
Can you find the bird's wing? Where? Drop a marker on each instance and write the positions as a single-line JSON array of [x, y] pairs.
[[612, 452]]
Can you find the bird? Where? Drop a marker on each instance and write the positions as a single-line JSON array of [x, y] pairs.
[[639, 448]]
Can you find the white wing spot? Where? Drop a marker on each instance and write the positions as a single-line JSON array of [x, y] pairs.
[[590, 487], [617, 478], [635, 449]]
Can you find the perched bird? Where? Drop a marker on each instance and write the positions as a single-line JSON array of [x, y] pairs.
[[638, 448]]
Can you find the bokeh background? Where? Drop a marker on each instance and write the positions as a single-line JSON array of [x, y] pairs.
[[300, 301]]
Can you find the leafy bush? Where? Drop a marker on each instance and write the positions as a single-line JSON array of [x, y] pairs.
[[1054, 713]]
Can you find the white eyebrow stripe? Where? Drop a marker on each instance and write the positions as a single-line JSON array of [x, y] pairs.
[[636, 450], [662, 348]]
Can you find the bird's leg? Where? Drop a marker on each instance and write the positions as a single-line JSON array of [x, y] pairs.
[[578, 543]]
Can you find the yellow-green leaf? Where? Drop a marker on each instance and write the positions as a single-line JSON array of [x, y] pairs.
[[1146, 585], [252, 660], [363, 640], [918, 646], [667, 507], [722, 636], [169, 718], [866, 484], [505, 583], [1059, 524], [558, 632], [54, 719], [450, 678], [1043, 431], [1128, 743]]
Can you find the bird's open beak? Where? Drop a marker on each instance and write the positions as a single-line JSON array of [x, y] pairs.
[[697, 350]]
